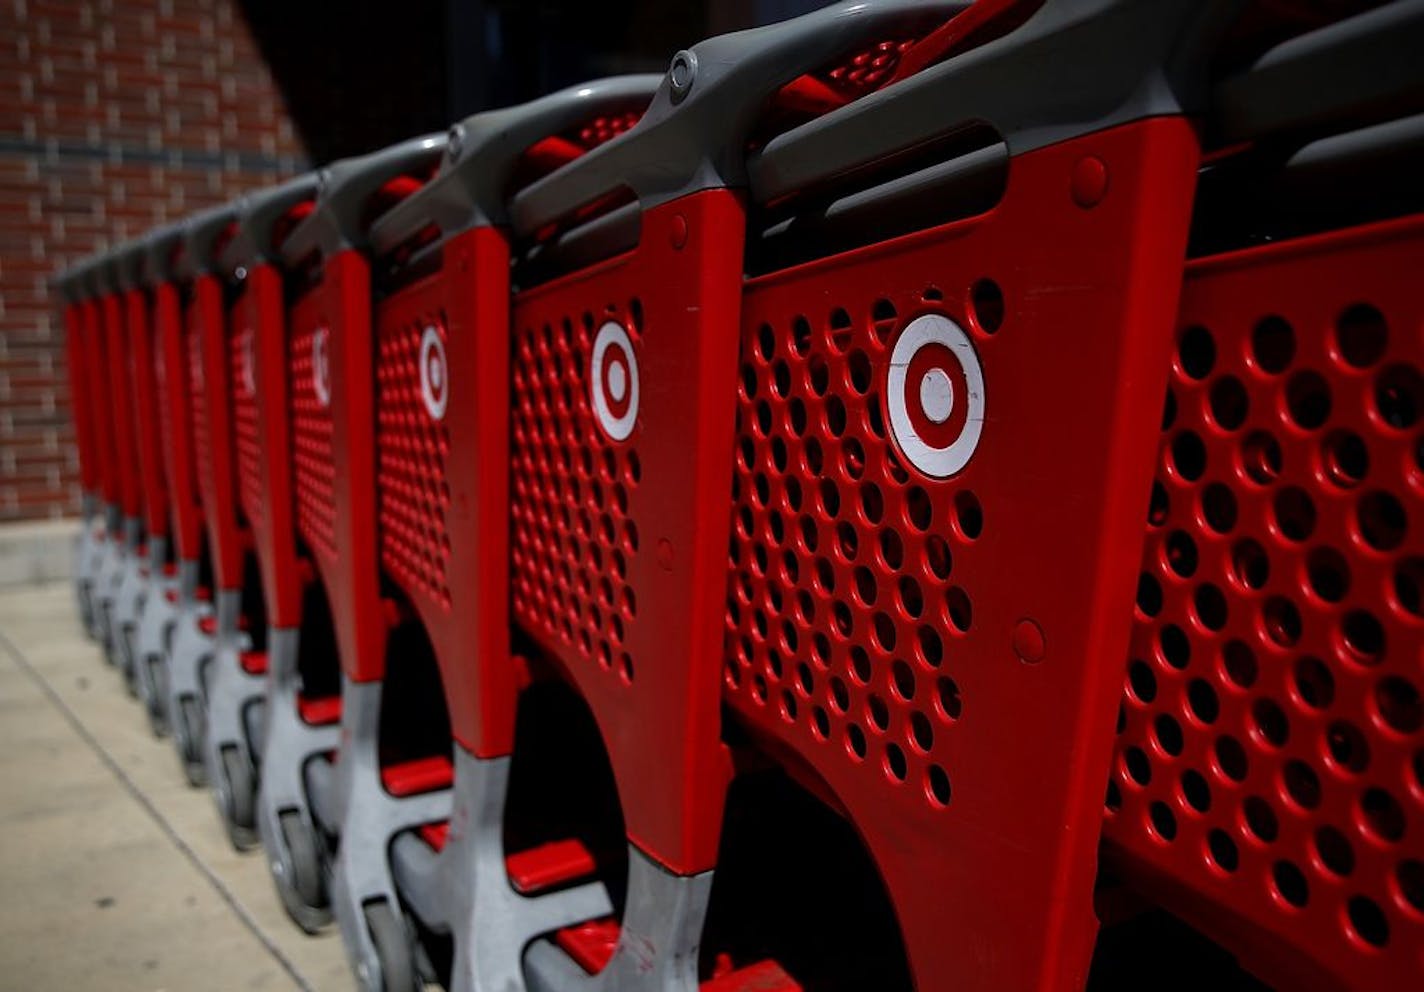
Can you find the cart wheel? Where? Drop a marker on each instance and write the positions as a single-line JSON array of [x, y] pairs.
[[299, 880], [190, 739], [157, 693], [239, 799], [393, 950]]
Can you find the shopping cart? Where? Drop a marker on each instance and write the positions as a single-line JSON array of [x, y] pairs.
[[302, 706], [360, 802], [442, 425], [1268, 786]]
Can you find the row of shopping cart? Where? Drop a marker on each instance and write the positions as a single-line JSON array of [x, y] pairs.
[[909, 494]]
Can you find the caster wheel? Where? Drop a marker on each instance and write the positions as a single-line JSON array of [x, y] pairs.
[[191, 729], [393, 950], [126, 660], [157, 693], [298, 873], [237, 796]]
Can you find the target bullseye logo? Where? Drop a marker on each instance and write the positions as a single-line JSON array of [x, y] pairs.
[[321, 366], [434, 373], [613, 381], [935, 395]]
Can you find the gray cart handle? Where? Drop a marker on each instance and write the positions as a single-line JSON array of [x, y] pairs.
[[1363, 66], [200, 240], [694, 134], [345, 188], [484, 149], [258, 215], [160, 249]]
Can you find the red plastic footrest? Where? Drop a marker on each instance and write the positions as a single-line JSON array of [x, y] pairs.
[[548, 865], [763, 976], [208, 625], [319, 711], [254, 662], [410, 778], [435, 834], [590, 944]]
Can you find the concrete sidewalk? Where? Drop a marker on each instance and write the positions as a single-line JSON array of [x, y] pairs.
[[115, 875]]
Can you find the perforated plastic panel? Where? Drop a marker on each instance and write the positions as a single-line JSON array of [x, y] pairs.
[[197, 394], [312, 428], [119, 367], [619, 483], [936, 463], [1271, 757], [572, 538], [412, 442]]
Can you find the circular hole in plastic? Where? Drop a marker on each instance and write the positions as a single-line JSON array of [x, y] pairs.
[[948, 698], [987, 302], [1363, 636], [1382, 521], [931, 646], [855, 740], [1176, 648], [1169, 734], [1261, 819], [1181, 553], [1261, 458], [1302, 784], [1281, 620], [1250, 565], [895, 762], [1346, 747], [1344, 458], [1290, 883], [1229, 403], [1399, 704], [969, 516], [1409, 880], [1313, 683], [1163, 822], [1270, 722], [1141, 681], [1223, 850], [1368, 921], [1308, 400], [1231, 758], [1201, 698], [1139, 769], [1210, 606], [1382, 815], [1196, 791], [1399, 396], [960, 609], [1294, 513], [1219, 507], [939, 789], [1409, 586], [1328, 573], [1188, 456], [1239, 662], [1334, 850], [1149, 594], [1361, 337], [921, 732], [1273, 345]]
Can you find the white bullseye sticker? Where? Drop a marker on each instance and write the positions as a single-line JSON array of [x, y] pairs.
[[935, 395], [321, 366], [434, 373], [613, 381]]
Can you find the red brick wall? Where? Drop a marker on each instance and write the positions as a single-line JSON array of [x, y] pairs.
[[115, 116]]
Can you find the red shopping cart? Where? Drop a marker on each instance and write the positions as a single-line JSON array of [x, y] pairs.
[[1268, 786], [441, 343], [302, 706], [368, 794]]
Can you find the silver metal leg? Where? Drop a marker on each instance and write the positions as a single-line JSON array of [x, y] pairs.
[[133, 587], [117, 553], [227, 749], [465, 890], [294, 844], [88, 556], [657, 945], [363, 893], [190, 652], [155, 629]]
